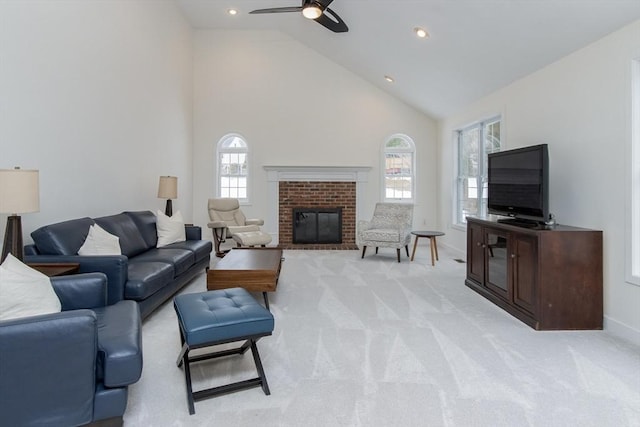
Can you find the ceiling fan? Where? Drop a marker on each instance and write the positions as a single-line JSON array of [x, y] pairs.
[[317, 10]]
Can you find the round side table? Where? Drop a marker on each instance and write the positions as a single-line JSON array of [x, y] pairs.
[[432, 242]]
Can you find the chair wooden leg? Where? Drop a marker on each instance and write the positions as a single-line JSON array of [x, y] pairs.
[[398, 252], [376, 250], [406, 247], [364, 249]]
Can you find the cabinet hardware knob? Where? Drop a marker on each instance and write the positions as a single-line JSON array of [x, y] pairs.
[[513, 256], [477, 243]]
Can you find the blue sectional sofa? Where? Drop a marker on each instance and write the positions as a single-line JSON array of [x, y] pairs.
[[143, 273]]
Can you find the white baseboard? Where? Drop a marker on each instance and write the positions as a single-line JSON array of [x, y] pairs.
[[456, 252], [622, 331]]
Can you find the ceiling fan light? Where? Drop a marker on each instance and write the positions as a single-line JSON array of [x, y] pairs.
[[421, 32], [311, 12]]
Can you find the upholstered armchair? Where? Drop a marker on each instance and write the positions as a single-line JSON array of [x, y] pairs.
[[390, 227], [73, 367], [227, 220]]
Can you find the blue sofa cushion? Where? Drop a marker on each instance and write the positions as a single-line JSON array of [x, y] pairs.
[[119, 361], [181, 259], [63, 238], [147, 278], [131, 241], [200, 248], [146, 222]]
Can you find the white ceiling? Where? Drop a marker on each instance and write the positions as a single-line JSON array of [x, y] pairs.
[[475, 48]]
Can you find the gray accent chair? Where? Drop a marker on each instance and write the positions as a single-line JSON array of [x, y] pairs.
[[390, 227]]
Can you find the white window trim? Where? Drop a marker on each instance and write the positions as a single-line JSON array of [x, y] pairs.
[[412, 150], [456, 159], [632, 267], [454, 182], [246, 201]]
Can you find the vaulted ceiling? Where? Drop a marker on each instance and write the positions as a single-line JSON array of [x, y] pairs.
[[475, 46]]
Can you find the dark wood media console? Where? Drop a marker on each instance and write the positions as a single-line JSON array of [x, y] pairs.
[[551, 279]]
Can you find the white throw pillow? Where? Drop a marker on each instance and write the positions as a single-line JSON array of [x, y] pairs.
[[25, 291], [170, 229], [100, 242]]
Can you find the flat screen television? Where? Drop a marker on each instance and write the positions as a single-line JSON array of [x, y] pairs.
[[518, 183]]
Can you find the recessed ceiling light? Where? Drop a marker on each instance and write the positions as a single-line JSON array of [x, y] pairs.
[[232, 12], [389, 79], [421, 32]]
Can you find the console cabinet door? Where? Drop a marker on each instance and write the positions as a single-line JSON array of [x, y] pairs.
[[524, 275], [475, 252], [497, 262]]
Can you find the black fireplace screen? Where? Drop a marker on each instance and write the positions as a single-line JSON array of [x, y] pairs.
[[317, 225]]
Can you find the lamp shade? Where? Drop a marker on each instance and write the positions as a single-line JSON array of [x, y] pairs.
[[19, 191], [168, 187]]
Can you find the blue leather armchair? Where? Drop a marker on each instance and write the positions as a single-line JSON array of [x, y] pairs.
[[71, 368]]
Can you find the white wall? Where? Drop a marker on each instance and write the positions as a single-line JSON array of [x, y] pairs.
[[580, 106], [296, 108], [97, 95]]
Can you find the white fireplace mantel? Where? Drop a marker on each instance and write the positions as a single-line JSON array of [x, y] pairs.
[[317, 173], [276, 174]]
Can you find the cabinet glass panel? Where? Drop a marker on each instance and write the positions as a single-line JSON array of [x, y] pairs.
[[497, 260]]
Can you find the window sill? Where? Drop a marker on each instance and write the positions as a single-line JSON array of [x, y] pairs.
[[633, 280]]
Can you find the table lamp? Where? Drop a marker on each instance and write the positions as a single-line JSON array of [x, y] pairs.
[[19, 193], [168, 189]]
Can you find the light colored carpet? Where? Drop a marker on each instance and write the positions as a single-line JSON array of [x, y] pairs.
[[370, 342]]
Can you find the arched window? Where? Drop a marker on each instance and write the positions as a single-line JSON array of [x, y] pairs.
[[233, 167], [399, 168]]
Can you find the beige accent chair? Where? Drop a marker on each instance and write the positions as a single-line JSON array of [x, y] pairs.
[[390, 227], [228, 221]]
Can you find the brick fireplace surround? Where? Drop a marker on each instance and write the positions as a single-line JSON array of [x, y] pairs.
[[315, 187], [306, 194]]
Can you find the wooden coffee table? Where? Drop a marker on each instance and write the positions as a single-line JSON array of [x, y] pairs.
[[254, 269]]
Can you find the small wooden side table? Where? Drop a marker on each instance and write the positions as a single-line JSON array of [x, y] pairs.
[[55, 268], [432, 242]]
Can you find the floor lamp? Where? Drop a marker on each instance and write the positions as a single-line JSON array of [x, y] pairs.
[[168, 189], [19, 193]]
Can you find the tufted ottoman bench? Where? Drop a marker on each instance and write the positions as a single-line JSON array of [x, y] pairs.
[[252, 238], [218, 317]]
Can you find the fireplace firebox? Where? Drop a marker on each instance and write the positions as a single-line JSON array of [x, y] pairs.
[[317, 225]]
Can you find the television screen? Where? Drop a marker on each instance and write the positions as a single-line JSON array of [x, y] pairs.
[[518, 183]]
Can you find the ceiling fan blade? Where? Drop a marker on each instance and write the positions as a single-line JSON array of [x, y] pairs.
[[278, 10], [330, 20], [324, 3]]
